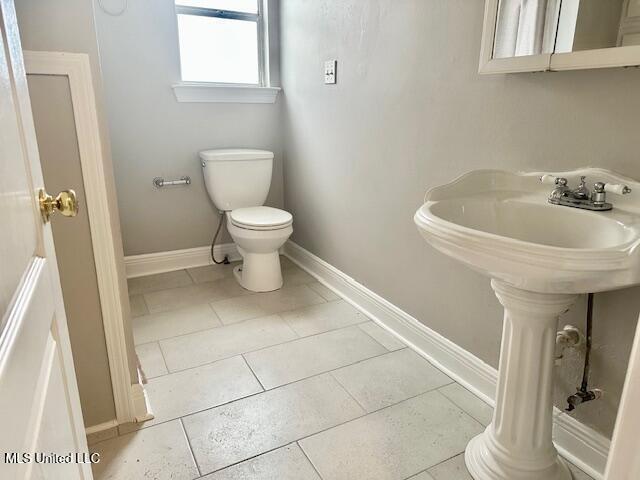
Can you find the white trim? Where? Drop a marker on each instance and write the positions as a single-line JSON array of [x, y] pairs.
[[524, 64], [624, 461], [151, 263], [580, 444], [101, 432], [142, 413], [197, 92], [265, 47], [598, 58], [76, 67], [141, 405], [101, 427]]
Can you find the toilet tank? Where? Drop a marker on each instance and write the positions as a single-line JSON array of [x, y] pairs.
[[237, 178]]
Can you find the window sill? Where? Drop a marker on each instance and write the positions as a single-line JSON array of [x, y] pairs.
[[194, 92]]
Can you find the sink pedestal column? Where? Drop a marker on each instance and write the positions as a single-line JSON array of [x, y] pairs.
[[517, 444]]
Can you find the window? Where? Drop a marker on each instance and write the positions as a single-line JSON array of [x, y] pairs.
[[222, 41]]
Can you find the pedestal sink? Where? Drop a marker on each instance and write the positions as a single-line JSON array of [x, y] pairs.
[[539, 257]]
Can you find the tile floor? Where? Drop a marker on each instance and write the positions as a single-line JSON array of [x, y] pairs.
[[289, 385]]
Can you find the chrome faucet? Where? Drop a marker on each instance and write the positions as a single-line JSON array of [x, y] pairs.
[[582, 192], [581, 196]]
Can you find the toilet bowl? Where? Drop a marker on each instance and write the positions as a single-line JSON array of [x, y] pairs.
[[259, 232], [238, 182]]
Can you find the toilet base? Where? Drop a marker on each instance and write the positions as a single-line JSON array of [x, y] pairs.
[[259, 272]]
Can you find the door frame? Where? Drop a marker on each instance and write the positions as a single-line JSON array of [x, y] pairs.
[[129, 397]]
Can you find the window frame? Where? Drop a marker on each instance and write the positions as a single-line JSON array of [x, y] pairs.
[[260, 18]]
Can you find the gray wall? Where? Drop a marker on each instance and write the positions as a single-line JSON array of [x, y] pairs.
[[410, 112], [48, 25], [154, 135]]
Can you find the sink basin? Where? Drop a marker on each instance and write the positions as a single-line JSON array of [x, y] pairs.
[[546, 224], [539, 257], [501, 224]]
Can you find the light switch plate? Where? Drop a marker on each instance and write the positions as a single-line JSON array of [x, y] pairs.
[[330, 71]]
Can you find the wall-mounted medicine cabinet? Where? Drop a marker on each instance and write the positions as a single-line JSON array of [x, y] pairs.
[[544, 35]]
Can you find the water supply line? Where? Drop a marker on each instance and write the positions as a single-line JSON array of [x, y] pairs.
[[225, 260], [587, 355], [583, 394]]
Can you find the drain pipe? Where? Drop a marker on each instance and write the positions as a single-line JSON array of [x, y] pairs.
[[583, 394]]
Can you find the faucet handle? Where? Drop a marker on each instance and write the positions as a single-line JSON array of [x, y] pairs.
[[617, 188], [554, 180]]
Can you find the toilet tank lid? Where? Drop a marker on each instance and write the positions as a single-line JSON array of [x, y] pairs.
[[235, 154]]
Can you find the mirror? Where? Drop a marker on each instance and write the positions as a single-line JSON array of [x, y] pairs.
[[592, 24], [537, 35], [525, 27]]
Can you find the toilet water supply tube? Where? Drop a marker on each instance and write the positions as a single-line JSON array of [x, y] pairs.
[[225, 260]]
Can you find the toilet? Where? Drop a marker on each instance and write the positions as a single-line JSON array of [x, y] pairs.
[[238, 181]]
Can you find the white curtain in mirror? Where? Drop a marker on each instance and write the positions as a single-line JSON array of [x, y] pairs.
[[525, 27]]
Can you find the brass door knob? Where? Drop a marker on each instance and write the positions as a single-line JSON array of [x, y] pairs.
[[66, 203]]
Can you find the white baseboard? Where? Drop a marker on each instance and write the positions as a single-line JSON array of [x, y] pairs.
[[150, 263], [581, 445], [102, 431], [101, 427], [141, 405], [141, 412]]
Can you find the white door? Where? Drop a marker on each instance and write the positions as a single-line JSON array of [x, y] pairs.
[[39, 403]]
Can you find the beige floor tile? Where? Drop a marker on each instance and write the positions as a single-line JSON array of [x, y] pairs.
[[393, 443], [210, 345], [382, 336], [189, 391], [294, 275], [159, 281], [157, 326], [151, 360], [138, 306], [240, 430], [452, 469], [286, 263], [211, 273], [235, 310], [286, 463], [309, 356], [391, 378], [323, 291], [323, 317], [421, 476], [172, 299], [158, 453], [468, 402], [455, 469]]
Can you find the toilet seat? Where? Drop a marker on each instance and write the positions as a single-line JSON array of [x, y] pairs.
[[260, 218]]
